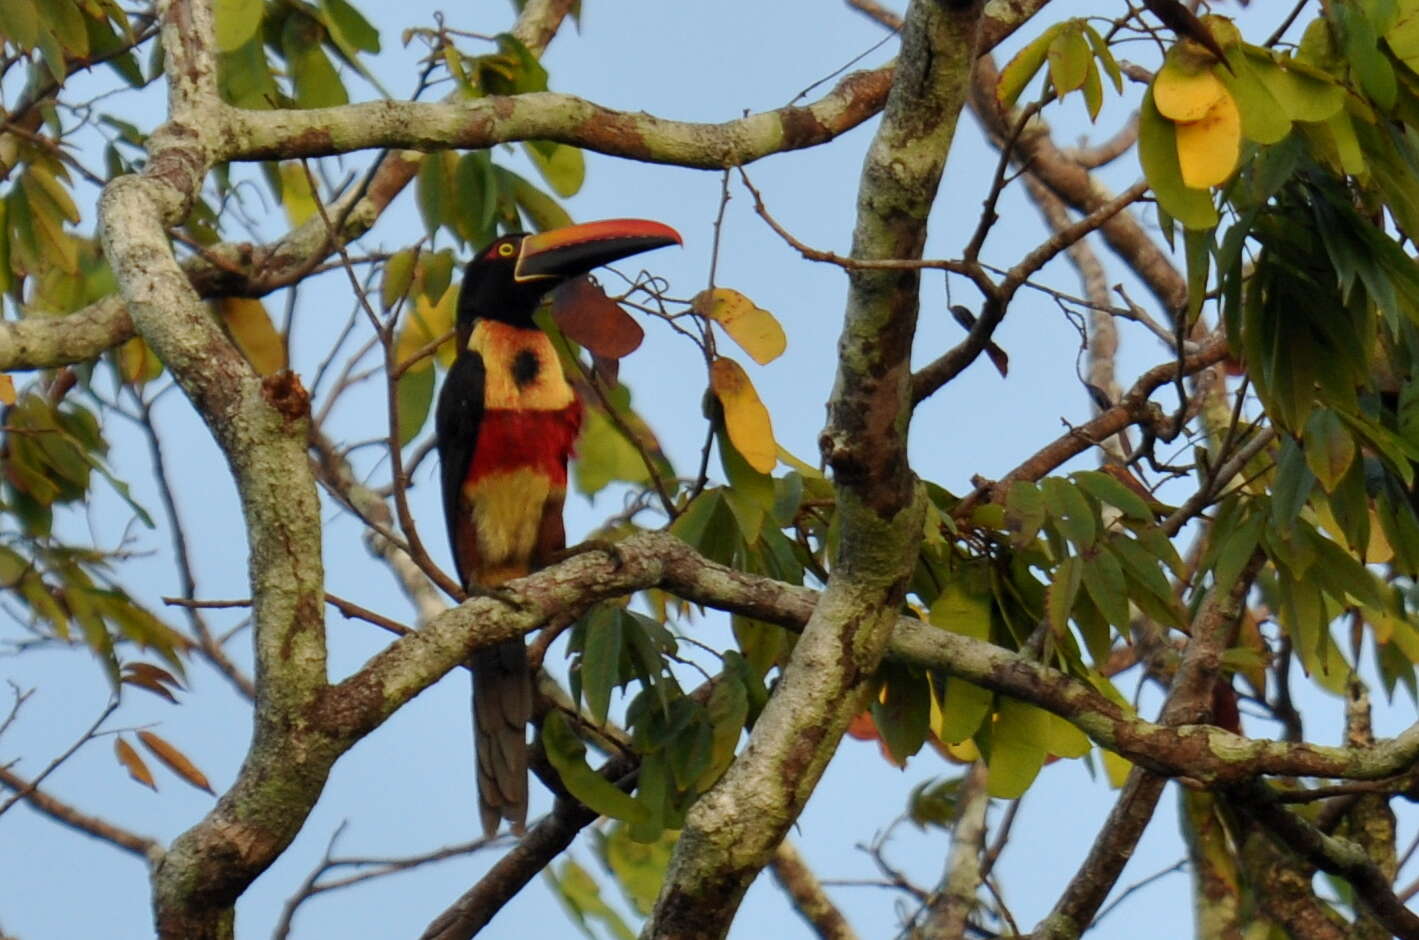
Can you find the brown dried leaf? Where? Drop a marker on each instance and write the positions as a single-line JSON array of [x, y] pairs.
[[7, 390], [152, 685], [133, 763], [175, 760], [593, 320]]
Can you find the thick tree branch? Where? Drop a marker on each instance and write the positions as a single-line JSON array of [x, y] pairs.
[[1073, 183], [732, 831], [1339, 857], [261, 426]]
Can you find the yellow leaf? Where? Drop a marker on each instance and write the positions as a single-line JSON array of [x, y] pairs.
[[175, 760], [133, 763], [965, 751], [1116, 768], [424, 324], [7, 390], [296, 196], [137, 363], [255, 335], [745, 417], [1182, 94], [1208, 149], [754, 329]]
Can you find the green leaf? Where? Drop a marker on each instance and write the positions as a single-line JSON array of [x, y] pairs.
[[475, 185], [727, 711], [1063, 589], [19, 23], [1104, 580], [1329, 447], [604, 454], [902, 712], [1158, 155], [578, 891], [542, 211], [1023, 67], [67, 25], [561, 165], [1105, 56], [601, 660], [639, 867], [350, 27], [1263, 118], [1024, 512], [315, 82], [1362, 53], [568, 756], [1304, 94], [1106, 489], [1018, 742], [1070, 511], [415, 393], [237, 22], [1236, 549], [708, 526], [1066, 740], [1069, 60], [398, 274]]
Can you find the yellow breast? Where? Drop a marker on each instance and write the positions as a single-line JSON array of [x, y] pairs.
[[521, 368]]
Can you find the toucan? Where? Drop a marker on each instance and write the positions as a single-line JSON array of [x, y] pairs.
[[506, 424]]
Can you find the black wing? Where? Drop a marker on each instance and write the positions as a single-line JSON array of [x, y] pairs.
[[456, 423]]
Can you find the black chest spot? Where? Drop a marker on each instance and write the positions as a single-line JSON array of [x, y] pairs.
[[525, 366]]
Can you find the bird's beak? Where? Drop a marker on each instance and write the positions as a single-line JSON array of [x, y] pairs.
[[568, 252]]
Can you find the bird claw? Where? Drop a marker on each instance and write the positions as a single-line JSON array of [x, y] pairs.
[[609, 549]]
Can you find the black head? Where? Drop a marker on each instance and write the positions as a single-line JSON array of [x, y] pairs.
[[509, 278]]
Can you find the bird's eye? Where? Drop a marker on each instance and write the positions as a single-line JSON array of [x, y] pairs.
[[506, 250]]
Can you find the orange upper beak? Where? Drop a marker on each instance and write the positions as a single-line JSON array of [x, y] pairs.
[[575, 249]]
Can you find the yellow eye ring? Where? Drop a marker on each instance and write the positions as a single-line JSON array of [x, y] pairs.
[[506, 250]]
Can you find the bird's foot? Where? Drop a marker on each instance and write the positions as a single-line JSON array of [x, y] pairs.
[[499, 594], [609, 549]]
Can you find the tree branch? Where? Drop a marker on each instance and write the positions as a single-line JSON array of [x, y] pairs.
[[803, 888]]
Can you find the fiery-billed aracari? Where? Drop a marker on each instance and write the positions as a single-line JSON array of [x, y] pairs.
[[506, 423]]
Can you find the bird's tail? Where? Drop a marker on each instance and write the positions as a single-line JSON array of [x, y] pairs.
[[502, 706]]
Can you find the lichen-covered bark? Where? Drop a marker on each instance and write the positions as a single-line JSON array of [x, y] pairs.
[[731, 832]]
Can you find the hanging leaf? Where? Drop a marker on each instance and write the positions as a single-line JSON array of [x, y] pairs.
[[137, 363], [600, 662], [237, 22], [175, 760], [1018, 740], [745, 417], [296, 196], [1183, 93], [415, 392], [1018, 72], [1069, 59], [132, 763], [561, 165], [756, 330], [1208, 148], [251, 329], [7, 390], [591, 319], [568, 756], [397, 276], [1158, 155]]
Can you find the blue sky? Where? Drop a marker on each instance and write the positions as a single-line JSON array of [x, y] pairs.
[[408, 788]]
